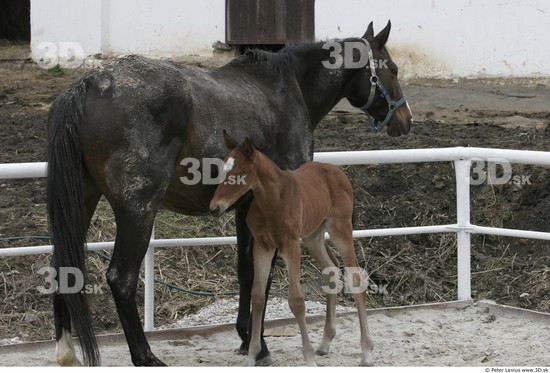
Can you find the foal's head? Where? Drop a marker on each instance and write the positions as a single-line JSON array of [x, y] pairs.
[[240, 174]]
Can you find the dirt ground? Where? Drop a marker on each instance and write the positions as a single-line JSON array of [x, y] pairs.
[[463, 336], [510, 114]]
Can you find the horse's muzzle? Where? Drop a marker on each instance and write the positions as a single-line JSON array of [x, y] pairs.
[[216, 211], [401, 122]]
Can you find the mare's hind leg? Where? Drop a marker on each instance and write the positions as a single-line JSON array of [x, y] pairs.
[[132, 240], [341, 234], [245, 272], [315, 245], [64, 349], [135, 194]]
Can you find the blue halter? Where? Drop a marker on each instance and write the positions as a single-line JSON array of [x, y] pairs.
[[374, 83]]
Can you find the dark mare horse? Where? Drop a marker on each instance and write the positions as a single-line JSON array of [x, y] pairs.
[[122, 131]]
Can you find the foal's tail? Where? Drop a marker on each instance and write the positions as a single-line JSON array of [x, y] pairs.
[[66, 214]]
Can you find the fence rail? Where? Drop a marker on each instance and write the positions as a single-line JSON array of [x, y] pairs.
[[461, 157]]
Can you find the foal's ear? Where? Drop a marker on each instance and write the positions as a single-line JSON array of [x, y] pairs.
[[383, 35], [229, 142], [369, 34], [248, 149]]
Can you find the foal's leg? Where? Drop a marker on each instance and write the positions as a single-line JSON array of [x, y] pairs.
[[291, 256], [315, 245], [262, 268], [341, 234], [245, 272]]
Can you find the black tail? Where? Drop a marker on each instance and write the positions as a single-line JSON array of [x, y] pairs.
[[66, 213]]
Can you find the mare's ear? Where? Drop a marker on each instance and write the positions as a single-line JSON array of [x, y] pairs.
[[229, 142], [369, 34], [383, 35], [248, 149]]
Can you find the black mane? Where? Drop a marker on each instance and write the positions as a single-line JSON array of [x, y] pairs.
[[283, 61]]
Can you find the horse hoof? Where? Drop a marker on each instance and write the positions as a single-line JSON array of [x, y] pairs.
[[243, 349], [151, 361], [321, 353], [366, 364], [264, 361]]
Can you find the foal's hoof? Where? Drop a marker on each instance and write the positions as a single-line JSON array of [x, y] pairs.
[[321, 353], [368, 363]]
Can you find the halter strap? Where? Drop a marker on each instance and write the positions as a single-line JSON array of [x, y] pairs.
[[373, 77], [376, 83]]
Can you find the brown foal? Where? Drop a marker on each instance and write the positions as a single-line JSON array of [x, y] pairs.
[[289, 205]]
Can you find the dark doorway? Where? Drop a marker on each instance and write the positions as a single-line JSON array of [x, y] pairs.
[[269, 23], [15, 20]]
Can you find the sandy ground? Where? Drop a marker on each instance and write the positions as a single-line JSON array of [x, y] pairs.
[[470, 335]]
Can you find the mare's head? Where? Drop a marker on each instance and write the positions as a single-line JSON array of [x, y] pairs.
[[240, 174], [375, 88]]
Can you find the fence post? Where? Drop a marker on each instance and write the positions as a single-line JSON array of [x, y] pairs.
[[462, 171], [149, 280]]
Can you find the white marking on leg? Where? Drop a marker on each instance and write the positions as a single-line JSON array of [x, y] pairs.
[[64, 351], [228, 166]]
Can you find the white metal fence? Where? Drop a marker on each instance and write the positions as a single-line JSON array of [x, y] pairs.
[[461, 157]]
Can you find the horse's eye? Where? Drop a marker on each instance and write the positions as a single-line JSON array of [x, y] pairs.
[[393, 68]]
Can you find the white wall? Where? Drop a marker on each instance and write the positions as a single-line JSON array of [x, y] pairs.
[[161, 28], [56, 23], [451, 38], [165, 27], [430, 38]]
